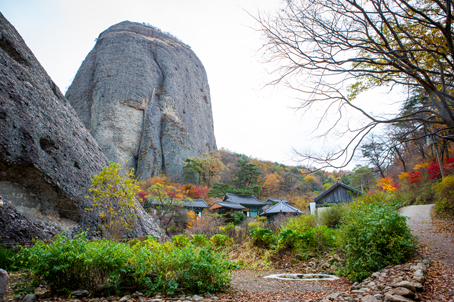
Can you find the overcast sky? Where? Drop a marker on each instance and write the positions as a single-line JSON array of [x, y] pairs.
[[249, 118]]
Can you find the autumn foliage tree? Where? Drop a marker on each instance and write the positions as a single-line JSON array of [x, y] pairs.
[[167, 200], [203, 170], [114, 199]]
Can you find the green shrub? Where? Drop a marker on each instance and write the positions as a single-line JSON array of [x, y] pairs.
[[180, 269], [300, 223], [227, 228], [372, 237], [332, 216], [289, 239], [444, 191], [320, 238], [181, 240], [263, 237], [199, 240], [259, 222], [61, 264], [8, 258], [149, 266], [238, 217], [220, 240]]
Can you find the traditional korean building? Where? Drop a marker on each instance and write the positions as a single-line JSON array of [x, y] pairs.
[[196, 205], [249, 204]]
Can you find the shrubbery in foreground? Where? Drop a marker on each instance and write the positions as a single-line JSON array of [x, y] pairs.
[[372, 237], [444, 191], [148, 266]]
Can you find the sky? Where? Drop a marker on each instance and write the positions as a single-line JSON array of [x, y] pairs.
[[250, 117]]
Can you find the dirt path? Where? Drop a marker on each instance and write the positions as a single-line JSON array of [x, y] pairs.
[[439, 247], [250, 286]]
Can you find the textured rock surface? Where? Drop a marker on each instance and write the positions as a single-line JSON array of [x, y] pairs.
[[18, 228], [47, 156], [144, 97]]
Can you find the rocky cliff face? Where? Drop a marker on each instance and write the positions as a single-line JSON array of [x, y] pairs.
[[144, 97], [47, 157]]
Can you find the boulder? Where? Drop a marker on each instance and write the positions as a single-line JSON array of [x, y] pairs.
[[47, 156], [144, 96]]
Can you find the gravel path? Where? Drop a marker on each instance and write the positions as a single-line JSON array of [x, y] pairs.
[[438, 247]]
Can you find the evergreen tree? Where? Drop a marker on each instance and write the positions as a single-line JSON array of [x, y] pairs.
[[248, 176]]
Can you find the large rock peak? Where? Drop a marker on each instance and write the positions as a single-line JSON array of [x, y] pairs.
[[47, 156], [144, 96]]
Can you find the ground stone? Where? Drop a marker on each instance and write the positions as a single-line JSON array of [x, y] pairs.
[[397, 298], [402, 291], [369, 298], [3, 284], [30, 298], [80, 293], [406, 284]]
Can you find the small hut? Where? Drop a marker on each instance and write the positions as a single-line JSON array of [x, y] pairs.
[[337, 193], [195, 205], [281, 207]]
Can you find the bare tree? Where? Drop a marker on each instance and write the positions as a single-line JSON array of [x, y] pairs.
[[376, 152], [322, 46]]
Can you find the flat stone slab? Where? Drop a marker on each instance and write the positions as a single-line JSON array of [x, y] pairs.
[[302, 277]]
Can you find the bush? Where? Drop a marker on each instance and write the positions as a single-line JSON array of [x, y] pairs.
[[148, 266], [320, 238], [8, 258], [220, 240], [263, 237], [181, 240], [444, 191], [374, 236], [258, 222], [238, 217], [300, 223], [289, 239], [199, 240], [332, 216], [184, 269], [61, 264]]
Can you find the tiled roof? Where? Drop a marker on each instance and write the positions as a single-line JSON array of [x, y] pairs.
[[277, 200], [246, 200], [196, 203], [280, 207], [231, 205]]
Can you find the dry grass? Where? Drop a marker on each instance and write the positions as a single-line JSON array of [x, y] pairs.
[[251, 256]]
